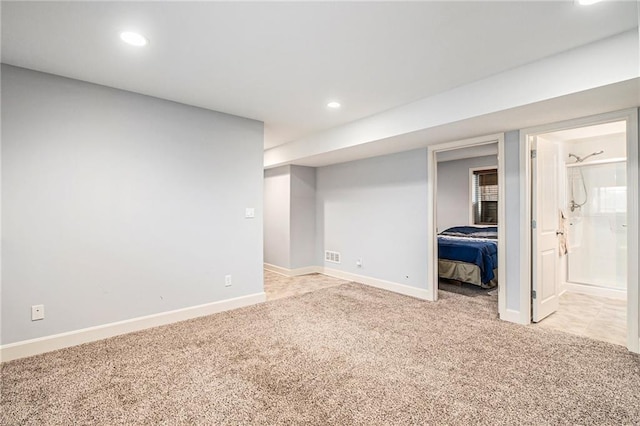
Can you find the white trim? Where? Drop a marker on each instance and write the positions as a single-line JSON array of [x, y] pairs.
[[472, 187], [362, 279], [40, 345], [419, 293], [591, 290], [293, 272], [503, 312], [633, 294], [633, 212], [525, 228], [432, 241], [511, 316]]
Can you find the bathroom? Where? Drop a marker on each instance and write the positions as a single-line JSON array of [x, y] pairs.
[[593, 231]]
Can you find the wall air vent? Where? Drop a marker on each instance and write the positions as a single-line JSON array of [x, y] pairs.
[[332, 256]]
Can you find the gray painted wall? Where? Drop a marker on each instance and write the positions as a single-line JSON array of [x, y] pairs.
[[277, 199], [117, 205], [375, 209], [303, 216], [290, 216], [454, 192], [513, 214]]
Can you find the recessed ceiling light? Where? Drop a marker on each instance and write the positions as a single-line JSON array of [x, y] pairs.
[[333, 105], [588, 2], [134, 39]]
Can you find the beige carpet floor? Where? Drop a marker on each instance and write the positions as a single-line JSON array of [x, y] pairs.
[[348, 354], [468, 290], [277, 286]]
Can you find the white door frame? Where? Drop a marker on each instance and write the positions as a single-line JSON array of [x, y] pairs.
[[432, 240], [633, 296]]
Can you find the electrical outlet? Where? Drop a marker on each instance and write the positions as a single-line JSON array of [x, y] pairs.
[[227, 280], [359, 262], [37, 312], [249, 213]]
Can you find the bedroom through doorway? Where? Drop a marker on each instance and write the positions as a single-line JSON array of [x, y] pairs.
[[465, 217], [467, 197]]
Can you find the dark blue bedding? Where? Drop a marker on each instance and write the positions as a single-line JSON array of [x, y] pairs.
[[479, 251]]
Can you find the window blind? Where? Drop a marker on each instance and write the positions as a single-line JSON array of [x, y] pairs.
[[485, 197]]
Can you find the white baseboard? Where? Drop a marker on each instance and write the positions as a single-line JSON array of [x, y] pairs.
[[293, 272], [509, 315], [40, 345], [374, 282], [596, 291], [513, 316]]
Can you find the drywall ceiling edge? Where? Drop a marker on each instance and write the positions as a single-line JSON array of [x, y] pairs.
[[553, 77]]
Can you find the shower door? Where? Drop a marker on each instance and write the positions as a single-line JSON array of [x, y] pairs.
[[597, 235]]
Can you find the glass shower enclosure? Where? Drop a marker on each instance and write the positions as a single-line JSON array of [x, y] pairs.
[[596, 224]]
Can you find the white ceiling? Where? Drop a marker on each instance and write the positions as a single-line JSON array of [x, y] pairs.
[[282, 62], [604, 99]]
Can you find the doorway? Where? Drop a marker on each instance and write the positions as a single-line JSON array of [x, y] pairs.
[[585, 171], [583, 214], [467, 222], [494, 143]]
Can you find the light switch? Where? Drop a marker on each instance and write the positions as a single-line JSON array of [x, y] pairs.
[[250, 213]]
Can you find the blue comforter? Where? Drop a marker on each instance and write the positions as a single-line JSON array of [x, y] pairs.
[[481, 252]]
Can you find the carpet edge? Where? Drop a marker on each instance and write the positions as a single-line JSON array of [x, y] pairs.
[[31, 347]]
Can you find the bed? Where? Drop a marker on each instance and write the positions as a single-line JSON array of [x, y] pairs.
[[469, 254]]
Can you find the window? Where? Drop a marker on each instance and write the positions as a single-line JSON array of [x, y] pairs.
[[484, 196]]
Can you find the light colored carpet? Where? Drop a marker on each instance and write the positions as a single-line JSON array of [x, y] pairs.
[[277, 286], [342, 355], [468, 289]]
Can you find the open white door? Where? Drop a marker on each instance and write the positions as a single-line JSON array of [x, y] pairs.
[[544, 232]]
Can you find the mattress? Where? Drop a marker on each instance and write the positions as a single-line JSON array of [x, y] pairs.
[[464, 272], [475, 247]]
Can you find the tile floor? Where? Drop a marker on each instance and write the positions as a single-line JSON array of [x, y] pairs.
[[277, 286], [599, 318]]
